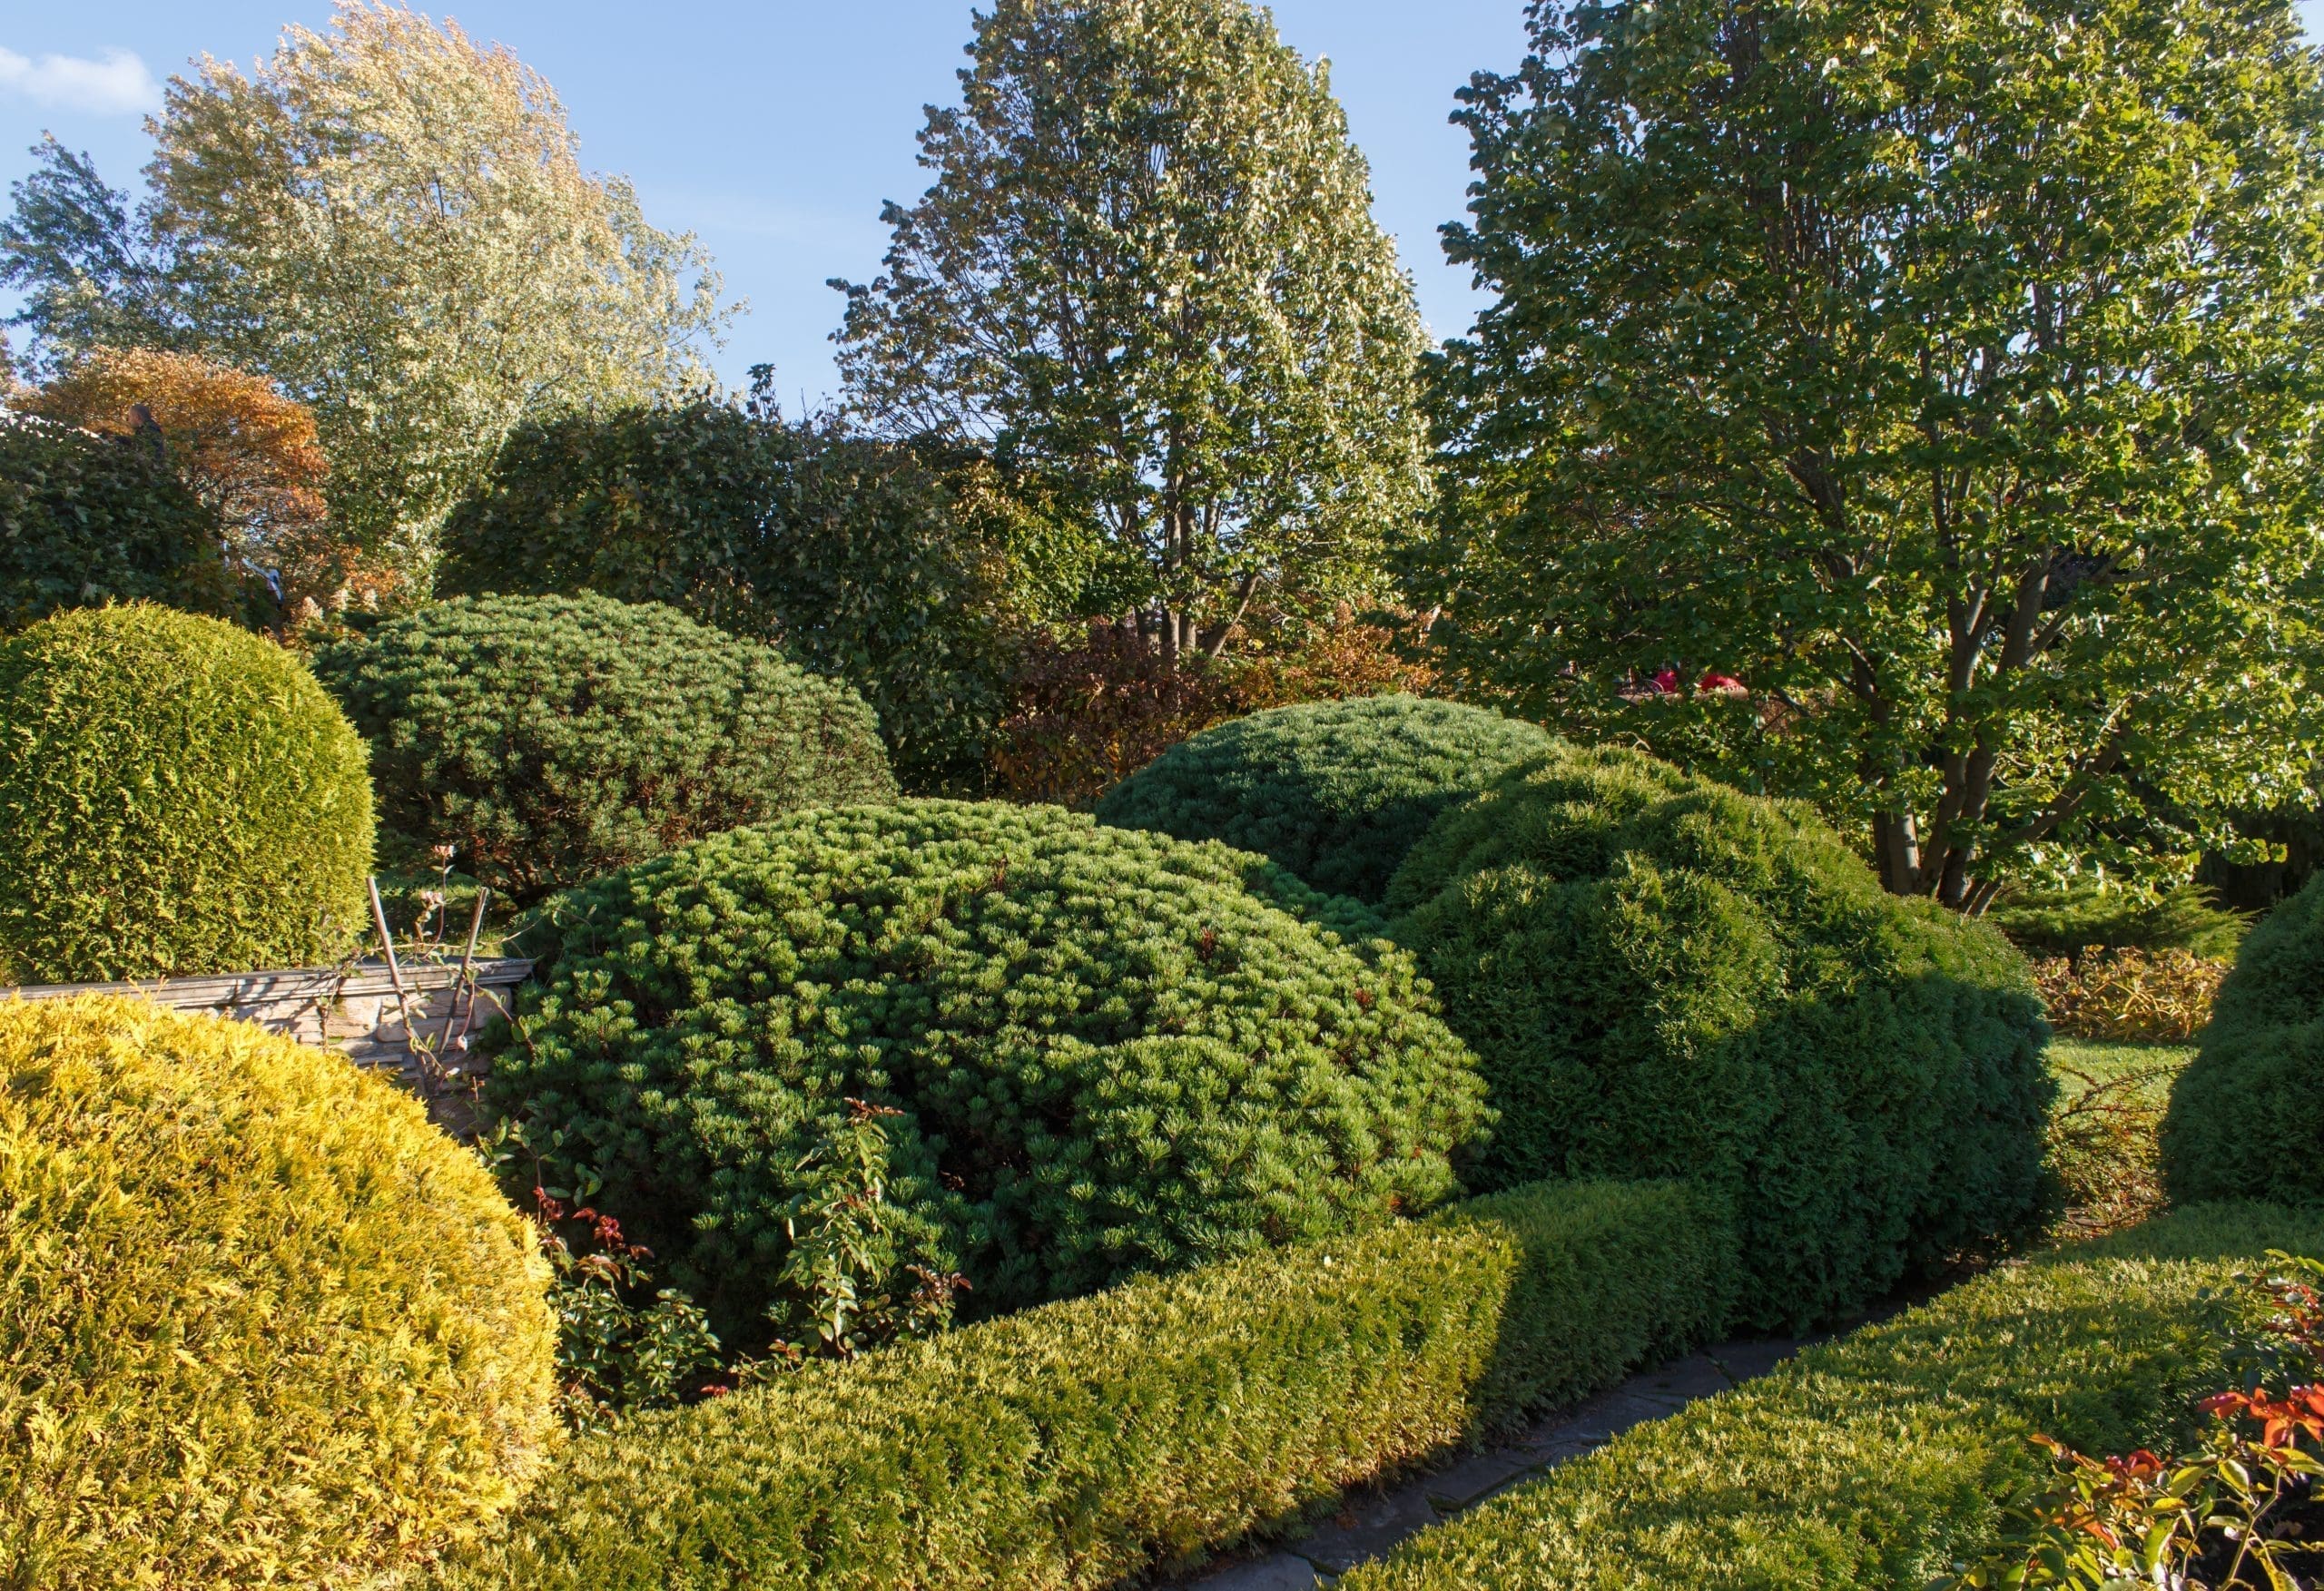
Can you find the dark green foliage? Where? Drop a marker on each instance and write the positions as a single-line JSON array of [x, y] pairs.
[[1664, 978], [2067, 922], [1115, 1052], [1880, 1462], [87, 519], [1073, 1445], [2247, 1116], [1337, 791], [552, 739], [177, 797]]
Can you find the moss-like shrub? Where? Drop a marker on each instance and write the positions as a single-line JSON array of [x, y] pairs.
[[177, 797], [2247, 1116], [1079, 1443], [1882, 1461], [1115, 1052], [1337, 791], [550, 739], [260, 1323], [1664, 978]]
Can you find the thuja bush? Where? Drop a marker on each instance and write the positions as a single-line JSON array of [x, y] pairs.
[[1664, 978], [549, 739], [1112, 1052], [177, 796], [1337, 791], [2244, 1120], [263, 1324]]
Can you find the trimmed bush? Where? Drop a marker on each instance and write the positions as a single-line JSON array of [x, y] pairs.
[[1337, 791], [1664, 978], [1883, 1460], [262, 1323], [1115, 1052], [2247, 1116], [551, 739], [177, 797], [1079, 1443]]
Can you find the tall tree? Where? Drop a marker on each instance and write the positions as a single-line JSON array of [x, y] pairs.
[[1945, 370], [91, 272], [1147, 264]]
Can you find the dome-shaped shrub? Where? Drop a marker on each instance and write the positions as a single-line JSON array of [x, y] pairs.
[[259, 1322], [177, 797], [1664, 978], [1337, 791], [2247, 1116], [1115, 1052], [550, 739]]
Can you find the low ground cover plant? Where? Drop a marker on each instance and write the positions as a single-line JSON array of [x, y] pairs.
[[177, 797], [1664, 978], [2130, 994], [2103, 1128], [263, 1323]]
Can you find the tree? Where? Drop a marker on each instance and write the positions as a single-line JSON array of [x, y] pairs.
[[1945, 370], [92, 275], [1147, 264]]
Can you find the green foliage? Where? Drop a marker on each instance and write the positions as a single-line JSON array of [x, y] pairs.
[[2244, 1119], [552, 739], [1337, 791], [2103, 1128], [177, 797], [1076, 1444], [1946, 372], [1880, 1462], [87, 519], [893, 568], [1115, 1052], [2066, 922], [1663, 977], [264, 1324]]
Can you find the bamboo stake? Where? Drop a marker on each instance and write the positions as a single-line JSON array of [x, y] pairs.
[[388, 943]]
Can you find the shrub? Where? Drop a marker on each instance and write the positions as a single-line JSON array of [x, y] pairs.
[[263, 1324], [1115, 1052], [1335, 791], [1079, 1443], [2067, 922], [1664, 978], [2164, 994], [177, 797], [1884, 1459], [2244, 1119], [548, 740]]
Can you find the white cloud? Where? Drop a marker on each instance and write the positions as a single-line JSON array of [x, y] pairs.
[[117, 85]]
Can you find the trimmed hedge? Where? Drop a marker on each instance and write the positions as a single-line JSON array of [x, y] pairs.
[[1884, 1459], [177, 797], [1337, 791], [1082, 1443], [259, 1322], [1664, 978], [2245, 1121], [1115, 1052], [551, 739]]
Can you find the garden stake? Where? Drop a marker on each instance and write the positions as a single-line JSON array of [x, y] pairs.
[[467, 958], [388, 942]]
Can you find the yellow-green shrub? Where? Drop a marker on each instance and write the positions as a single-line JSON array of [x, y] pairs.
[[2130, 994], [259, 1322]]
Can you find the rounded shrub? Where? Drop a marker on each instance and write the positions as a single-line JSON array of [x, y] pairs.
[[1337, 791], [1113, 1051], [260, 1323], [2246, 1119], [177, 797], [550, 739], [1662, 976]]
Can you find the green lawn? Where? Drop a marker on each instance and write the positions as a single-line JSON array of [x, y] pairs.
[[2111, 1097]]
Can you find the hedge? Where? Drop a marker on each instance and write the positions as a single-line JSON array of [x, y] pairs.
[[1113, 1052], [1662, 976], [1337, 791], [2244, 1121], [177, 798], [1881, 1460], [260, 1323], [1082, 1443]]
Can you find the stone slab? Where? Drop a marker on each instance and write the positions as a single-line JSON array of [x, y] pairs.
[[1281, 1572], [1371, 1527], [1464, 1482]]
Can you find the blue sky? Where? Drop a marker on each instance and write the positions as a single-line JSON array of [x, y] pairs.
[[775, 130]]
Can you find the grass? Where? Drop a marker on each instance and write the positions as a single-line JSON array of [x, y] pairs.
[[2111, 1099]]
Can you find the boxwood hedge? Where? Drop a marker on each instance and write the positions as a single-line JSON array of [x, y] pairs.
[[1115, 1052], [1664, 978], [1080, 1442], [1337, 791]]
